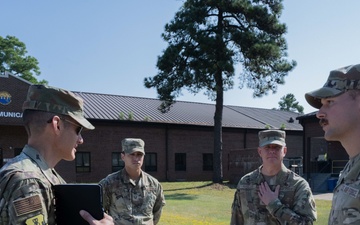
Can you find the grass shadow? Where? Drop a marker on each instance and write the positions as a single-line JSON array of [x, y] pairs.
[[180, 196], [189, 188], [209, 185]]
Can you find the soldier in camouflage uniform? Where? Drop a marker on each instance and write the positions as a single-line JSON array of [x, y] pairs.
[[338, 102], [272, 194], [131, 196], [53, 119]]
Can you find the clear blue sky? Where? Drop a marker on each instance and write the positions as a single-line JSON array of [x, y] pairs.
[[111, 46]]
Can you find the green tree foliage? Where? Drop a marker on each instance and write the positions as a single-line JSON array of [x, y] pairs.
[[289, 103], [206, 39], [14, 59]]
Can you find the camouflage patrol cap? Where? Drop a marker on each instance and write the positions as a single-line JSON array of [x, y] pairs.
[[267, 137], [338, 82], [131, 145], [57, 101]]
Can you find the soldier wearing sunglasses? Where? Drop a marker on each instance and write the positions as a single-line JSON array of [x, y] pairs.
[[53, 119]]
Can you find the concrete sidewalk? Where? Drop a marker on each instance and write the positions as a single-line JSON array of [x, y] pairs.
[[323, 196]]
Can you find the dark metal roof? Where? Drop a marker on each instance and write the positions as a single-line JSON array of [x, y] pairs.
[[312, 114], [110, 107]]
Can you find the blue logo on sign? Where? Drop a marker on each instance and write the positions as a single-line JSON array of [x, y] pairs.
[[5, 98]]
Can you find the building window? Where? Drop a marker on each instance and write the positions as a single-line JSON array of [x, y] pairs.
[[151, 162], [116, 162], [180, 161], [208, 162], [82, 162]]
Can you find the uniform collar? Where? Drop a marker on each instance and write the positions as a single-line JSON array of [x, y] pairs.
[[52, 176], [281, 176], [127, 179], [352, 169]]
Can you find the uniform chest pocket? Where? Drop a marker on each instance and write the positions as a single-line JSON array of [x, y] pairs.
[[150, 195]]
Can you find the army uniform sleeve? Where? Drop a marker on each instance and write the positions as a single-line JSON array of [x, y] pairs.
[[159, 204], [106, 198], [236, 213], [303, 211], [27, 201]]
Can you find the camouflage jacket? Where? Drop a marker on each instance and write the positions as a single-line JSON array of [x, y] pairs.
[[129, 203], [345, 207], [295, 204], [26, 195]]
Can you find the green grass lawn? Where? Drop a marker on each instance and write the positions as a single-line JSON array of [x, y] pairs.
[[204, 203]]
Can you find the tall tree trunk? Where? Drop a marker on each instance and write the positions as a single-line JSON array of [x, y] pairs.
[[218, 168]]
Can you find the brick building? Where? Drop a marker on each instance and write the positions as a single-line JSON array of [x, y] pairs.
[[178, 144]]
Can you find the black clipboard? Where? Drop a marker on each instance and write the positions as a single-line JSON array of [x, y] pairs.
[[71, 198]]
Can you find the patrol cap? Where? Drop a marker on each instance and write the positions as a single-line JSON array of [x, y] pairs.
[[58, 101], [131, 145], [338, 82], [267, 137]]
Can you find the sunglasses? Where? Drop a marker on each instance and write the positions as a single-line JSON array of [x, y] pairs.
[[79, 128]]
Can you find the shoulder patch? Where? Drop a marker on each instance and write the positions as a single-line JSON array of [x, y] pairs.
[[27, 205], [36, 220]]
